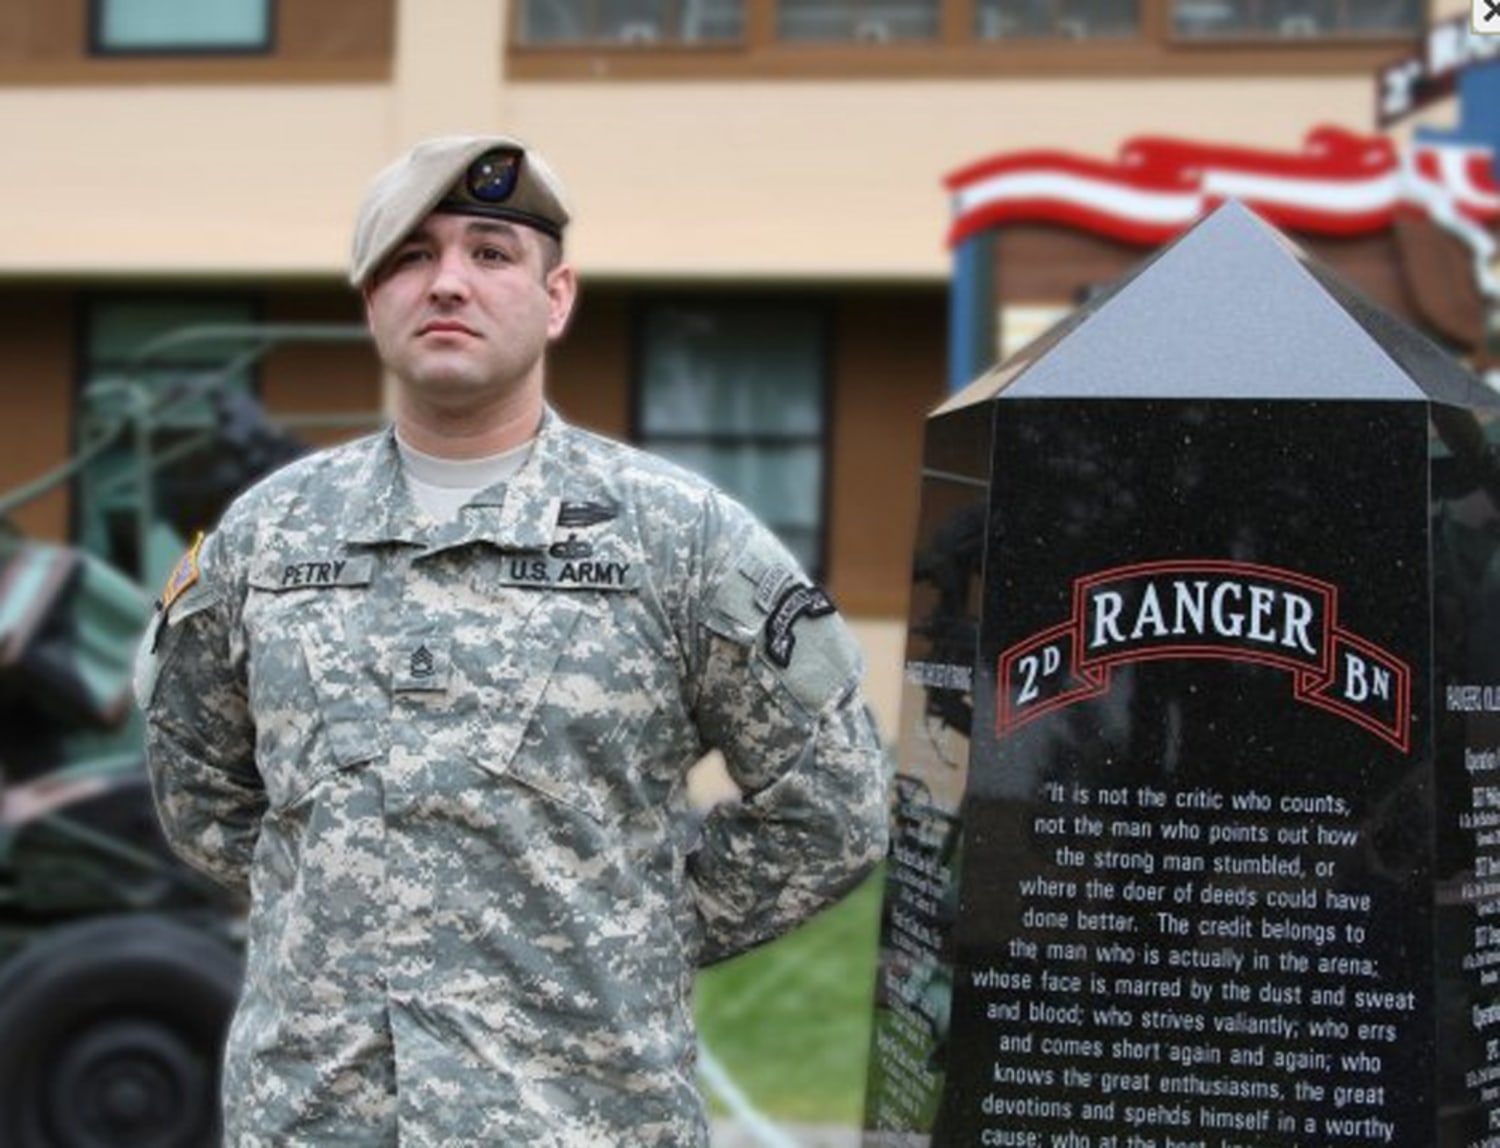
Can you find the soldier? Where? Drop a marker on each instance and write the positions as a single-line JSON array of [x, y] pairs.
[[431, 698]]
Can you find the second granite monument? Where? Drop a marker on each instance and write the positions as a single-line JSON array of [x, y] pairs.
[[1197, 834]]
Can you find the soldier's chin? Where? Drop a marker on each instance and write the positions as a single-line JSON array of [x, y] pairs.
[[456, 384]]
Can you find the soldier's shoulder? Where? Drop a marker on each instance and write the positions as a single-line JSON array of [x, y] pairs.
[[291, 487], [688, 529], [631, 465], [664, 493]]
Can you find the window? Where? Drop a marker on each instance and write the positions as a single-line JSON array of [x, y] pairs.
[[857, 20], [642, 22], [1296, 18], [119, 330], [111, 488], [1057, 19], [154, 26], [604, 40], [735, 391]]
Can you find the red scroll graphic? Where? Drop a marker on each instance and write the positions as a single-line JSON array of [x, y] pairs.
[[1209, 608]]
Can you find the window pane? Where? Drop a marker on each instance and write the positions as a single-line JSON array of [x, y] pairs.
[[735, 392], [783, 485], [553, 21], [1067, 19], [1392, 17], [630, 21], [1295, 18], [184, 23], [867, 20], [747, 371], [120, 330], [712, 20]]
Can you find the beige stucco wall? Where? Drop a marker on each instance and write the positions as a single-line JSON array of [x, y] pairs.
[[186, 180], [838, 180], [845, 178], [775, 180], [883, 643], [767, 179]]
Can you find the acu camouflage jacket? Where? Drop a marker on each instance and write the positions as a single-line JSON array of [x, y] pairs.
[[447, 763]]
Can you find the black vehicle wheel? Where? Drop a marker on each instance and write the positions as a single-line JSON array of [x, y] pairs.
[[110, 1036]]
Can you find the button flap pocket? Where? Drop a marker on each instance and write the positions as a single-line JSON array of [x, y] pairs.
[[354, 733], [544, 637], [353, 741]]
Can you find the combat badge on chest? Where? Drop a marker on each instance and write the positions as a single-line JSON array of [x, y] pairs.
[[585, 555]]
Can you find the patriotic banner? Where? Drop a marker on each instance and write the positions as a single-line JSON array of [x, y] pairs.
[[1340, 183]]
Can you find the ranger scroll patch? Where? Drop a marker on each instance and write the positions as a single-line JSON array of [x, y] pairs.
[[797, 601]]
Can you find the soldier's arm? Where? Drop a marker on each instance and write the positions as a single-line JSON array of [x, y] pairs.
[[199, 737], [778, 694]]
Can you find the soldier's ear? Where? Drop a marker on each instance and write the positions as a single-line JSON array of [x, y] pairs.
[[561, 284]]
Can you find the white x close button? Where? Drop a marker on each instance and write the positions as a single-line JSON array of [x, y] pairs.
[[1484, 17]]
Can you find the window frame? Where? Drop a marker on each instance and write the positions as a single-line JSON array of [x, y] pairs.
[[98, 48], [89, 302], [1262, 39], [957, 51], [868, 22], [674, 17], [822, 311], [1058, 34]]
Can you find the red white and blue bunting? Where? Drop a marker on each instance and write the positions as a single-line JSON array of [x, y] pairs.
[[1339, 183]]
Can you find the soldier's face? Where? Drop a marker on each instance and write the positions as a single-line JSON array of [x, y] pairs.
[[465, 308]]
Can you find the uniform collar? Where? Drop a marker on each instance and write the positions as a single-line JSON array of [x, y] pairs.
[[519, 514]]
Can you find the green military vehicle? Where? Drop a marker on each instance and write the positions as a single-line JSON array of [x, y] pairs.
[[119, 966]]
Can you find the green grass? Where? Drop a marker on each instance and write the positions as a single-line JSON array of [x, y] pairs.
[[790, 1021]]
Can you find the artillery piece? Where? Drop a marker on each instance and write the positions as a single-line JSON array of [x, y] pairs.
[[119, 965]]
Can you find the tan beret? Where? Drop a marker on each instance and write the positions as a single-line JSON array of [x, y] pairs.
[[493, 176]]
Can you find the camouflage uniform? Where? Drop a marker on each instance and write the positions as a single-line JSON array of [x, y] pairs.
[[448, 762]]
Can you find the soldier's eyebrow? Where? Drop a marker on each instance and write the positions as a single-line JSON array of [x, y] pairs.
[[424, 232], [493, 227]]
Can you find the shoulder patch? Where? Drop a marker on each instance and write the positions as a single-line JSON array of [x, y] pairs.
[[771, 581], [787, 626], [183, 575], [801, 600]]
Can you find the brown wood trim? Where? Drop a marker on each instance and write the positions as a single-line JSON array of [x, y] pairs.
[[954, 52], [956, 24], [226, 70], [760, 35], [944, 58], [46, 43]]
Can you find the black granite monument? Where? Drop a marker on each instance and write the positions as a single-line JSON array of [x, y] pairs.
[[1197, 834]]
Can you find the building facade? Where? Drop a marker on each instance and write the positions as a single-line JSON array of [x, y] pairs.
[[762, 220]]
